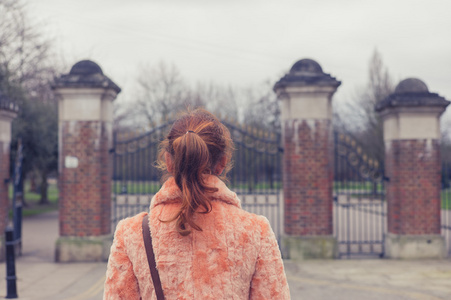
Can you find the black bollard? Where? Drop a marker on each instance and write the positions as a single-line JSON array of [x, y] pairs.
[[11, 289]]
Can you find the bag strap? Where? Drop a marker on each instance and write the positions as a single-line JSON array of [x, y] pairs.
[[151, 259]]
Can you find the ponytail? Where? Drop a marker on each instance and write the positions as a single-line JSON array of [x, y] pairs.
[[191, 158], [197, 142]]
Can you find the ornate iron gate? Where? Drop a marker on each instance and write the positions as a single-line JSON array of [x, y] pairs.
[[135, 178], [359, 200], [256, 176]]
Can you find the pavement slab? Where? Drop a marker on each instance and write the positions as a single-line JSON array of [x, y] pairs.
[[39, 277], [375, 279]]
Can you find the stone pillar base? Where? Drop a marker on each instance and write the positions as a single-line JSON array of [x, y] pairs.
[[310, 247], [414, 246], [83, 249]]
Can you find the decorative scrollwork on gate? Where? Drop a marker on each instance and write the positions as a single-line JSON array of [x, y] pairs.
[[251, 138], [258, 140], [347, 149], [132, 142]]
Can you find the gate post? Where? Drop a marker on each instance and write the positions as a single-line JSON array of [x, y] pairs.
[[8, 112], [411, 118], [85, 111], [306, 95]]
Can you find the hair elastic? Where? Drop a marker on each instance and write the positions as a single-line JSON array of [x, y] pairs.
[[189, 131]]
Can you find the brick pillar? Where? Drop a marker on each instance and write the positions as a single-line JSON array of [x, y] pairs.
[[306, 96], [8, 111], [84, 165], [411, 117]]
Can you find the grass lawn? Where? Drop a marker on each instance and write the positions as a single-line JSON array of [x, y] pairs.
[[256, 186], [356, 185], [32, 206], [136, 187], [152, 187], [446, 199]]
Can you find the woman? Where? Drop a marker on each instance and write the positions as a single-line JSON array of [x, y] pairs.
[[205, 245]]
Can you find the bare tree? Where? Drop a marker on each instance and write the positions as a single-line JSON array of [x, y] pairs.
[[221, 100], [359, 118], [161, 93], [23, 51], [263, 108], [26, 73]]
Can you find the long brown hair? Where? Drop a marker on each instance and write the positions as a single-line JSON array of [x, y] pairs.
[[197, 143]]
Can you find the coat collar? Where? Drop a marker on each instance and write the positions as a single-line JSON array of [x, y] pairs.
[[170, 193]]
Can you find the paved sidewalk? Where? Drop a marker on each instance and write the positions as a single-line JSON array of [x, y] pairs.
[[370, 279], [40, 278]]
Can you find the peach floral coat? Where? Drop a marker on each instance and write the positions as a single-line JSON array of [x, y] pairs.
[[235, 256]]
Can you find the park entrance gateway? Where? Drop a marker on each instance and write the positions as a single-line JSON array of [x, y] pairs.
[[325, 215]]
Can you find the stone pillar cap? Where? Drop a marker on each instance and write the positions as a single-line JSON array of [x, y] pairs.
[[412, 92], [85, 74], [306, 72], [7, 104]]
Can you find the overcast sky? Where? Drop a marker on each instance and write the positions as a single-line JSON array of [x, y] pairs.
[[245, 42]]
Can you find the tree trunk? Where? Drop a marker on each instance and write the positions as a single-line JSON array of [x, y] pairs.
[[44, 188], [33, 185]]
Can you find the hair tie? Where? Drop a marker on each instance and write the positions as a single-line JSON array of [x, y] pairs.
[[189, 131]]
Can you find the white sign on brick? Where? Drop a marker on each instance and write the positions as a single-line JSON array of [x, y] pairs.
[[71, 162]]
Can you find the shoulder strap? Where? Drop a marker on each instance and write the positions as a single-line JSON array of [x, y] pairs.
[[151, 259]]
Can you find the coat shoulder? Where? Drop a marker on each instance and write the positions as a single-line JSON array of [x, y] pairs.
[[130, 226], [244, 224], [240, 215]]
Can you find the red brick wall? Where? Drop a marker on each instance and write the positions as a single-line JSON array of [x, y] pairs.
[[413, 192], [85, 192], [308, 177], [4, 174]]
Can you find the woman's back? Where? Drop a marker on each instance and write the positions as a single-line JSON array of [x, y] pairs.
[[235, 256]]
